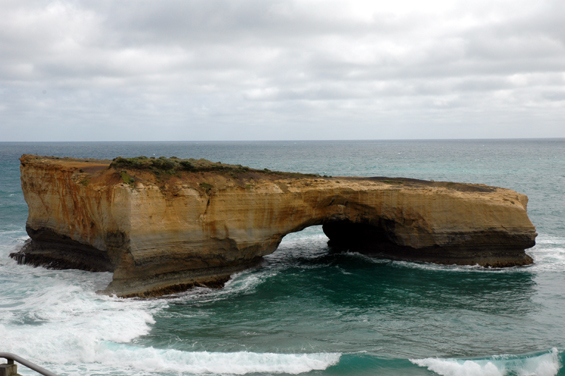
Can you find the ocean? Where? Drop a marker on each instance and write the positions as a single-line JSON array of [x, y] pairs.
[[306, 310]]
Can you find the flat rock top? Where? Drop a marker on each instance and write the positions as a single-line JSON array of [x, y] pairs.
[[204, 175]]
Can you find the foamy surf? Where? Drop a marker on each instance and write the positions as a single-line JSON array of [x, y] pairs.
[[545, 364], [548, 254], [239, 284], [55, 316], [203, 362], [73, 330], [117, 359]]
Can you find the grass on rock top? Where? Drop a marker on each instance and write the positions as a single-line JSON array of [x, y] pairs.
[[173, 165]]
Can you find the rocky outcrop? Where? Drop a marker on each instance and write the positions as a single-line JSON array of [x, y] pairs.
[[164, 225]]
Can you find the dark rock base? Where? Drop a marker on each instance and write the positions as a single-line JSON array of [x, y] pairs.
[[488, 249], [51, 250], [443, 256], [175, 282]]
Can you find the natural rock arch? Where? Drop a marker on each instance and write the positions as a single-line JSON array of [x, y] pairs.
[[162, 233]]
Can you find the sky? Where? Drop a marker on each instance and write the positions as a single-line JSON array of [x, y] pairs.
[[137, 70]]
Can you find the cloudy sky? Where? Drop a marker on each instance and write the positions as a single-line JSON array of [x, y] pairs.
[[281, 70]]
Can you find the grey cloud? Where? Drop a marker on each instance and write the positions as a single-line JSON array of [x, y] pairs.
[[259, 69]]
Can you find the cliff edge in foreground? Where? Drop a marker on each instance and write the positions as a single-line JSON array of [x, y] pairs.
[[163, 225]]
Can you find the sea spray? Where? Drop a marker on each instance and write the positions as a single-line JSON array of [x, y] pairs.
[[204, 362], [544, 364], [56, 316]]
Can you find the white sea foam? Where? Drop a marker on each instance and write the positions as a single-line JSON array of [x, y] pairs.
[[305, 247], [373, 260], [309, 233], [239, 284], [548, 254], [76, 348], [70, 326], [541, 365], [56, 316], [451, 268], [547, 239], [447, 367], [548, 259], [79, 349], [309, 244], [203, 362], [304, 242]]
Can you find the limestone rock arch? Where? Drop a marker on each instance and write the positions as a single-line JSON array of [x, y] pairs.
[[160, 235]]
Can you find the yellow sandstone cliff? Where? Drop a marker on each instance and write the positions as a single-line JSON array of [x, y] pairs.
[[167, 224]]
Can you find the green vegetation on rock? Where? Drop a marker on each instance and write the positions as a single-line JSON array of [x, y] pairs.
[[173, 165], [153, 164], [126, 178], [207, 187], [388, 181]]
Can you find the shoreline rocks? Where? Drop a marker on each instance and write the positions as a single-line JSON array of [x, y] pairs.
[[163, 225]]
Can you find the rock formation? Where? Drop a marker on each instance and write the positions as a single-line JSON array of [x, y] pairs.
[[163, 225]]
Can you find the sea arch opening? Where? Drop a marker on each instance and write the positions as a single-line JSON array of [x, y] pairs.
[[368, 237]]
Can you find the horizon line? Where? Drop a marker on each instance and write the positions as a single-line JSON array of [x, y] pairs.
[[301, 140]]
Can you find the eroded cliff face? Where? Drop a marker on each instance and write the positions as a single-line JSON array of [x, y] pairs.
[[161, 233]]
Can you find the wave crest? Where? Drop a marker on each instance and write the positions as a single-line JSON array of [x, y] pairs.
[[203, 362], [545, 364]]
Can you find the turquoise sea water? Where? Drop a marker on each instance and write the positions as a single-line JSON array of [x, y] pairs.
[[306, 310]]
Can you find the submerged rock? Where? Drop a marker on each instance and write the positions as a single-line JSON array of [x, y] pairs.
[[164, 225]]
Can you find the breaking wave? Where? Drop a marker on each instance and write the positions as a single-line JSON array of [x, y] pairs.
[[544, 364]]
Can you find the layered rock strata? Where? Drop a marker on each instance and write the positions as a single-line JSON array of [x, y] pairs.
[[161, 230]]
